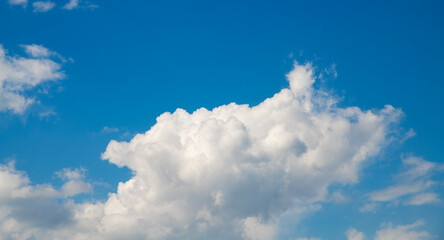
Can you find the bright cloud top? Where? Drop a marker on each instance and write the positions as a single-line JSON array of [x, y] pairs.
[[19, 75]]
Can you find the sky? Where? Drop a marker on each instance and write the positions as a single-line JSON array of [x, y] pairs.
[[261, 120]]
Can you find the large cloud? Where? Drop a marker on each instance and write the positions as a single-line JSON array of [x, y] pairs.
[[232, 172], [18, 75], [237, 167]]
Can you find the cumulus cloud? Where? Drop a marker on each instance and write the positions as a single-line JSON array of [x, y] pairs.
[[414, 182], [262, 161], [41, 6], [232, 172], [19, 75], [402, 232]]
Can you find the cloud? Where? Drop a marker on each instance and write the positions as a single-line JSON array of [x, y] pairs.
[[74, 182], [423, 198], [72, 4], [37, 51], [369, 207], [353, 234], [109, 129], [41, 6], [18, 2], [415, 180], [232, 172], [254, 229], [19, 75], [307, 239], [29, 210], [402, 232]]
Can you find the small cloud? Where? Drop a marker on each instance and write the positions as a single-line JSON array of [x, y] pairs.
[[18, 2], [92, 6], [47, 114], [72, 4], [43, 6], [35, 50], [74, 184], [71, 174], [353, 234], [338, 197], [369, 207], [409, 134], [109, 129], [22, 74]]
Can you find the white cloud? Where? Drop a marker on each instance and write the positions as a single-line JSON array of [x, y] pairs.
[[402, 232], [423, 198], [37, 51], [415, 180], [263, 160], [234, 171], [18, 2], [41, 6], [307, 239], [26, 210], [353, 234], [71, 5], [21, 74], [74, 182]]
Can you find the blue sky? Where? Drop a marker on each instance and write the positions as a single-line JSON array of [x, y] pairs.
[[121, 65]]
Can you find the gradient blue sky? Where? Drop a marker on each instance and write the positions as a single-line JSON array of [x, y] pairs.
[[130, 61]]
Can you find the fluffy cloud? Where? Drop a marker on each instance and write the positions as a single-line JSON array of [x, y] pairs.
[[202, 173], [41, 6], [414, 182], [233, 171], [19, 75]]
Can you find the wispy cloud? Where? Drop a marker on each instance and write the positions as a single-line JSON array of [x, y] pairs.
[[18, 2], [415, 182], [41, 6], [402, 232], [72, 4]]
